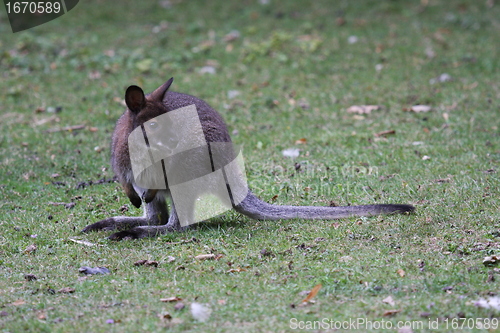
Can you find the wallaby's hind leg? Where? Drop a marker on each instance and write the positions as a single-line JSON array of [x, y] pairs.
[[142, 231], [156, 213]]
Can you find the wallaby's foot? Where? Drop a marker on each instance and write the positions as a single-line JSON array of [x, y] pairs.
[[118, 222], [144, 231]]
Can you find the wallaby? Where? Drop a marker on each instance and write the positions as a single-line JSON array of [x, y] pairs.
[[156, 219]]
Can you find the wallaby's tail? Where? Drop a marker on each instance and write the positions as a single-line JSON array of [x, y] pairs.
[[257, 209]]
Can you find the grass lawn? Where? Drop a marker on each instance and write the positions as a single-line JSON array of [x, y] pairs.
[[283, 74]]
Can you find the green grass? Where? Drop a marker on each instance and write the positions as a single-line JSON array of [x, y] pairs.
[[297, 74]]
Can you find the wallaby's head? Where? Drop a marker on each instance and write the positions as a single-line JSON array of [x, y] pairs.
[[145, 107]]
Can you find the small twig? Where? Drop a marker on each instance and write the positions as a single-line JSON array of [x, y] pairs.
[[385, 133], [67, 128]]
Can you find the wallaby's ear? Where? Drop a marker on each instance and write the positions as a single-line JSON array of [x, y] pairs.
[[158, 94], [134, 98]]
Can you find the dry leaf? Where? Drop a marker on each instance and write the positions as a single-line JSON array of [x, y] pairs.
[[491, 260], [301, 141], [389, 300], [236, 270], [363, 109], [165, 315], [30, 248], [171, 299], [234, 34], [82, 242], [420, 108], [312, 293], [340, 21], [18, 302], [385, 133], [401, 272], [66, 290], [209, 256], [146, 263], [46, 120], [67, 128], [390, 312]]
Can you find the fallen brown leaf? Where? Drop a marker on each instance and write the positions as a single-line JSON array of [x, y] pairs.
[[67, 128], [491, 260], [171, 299], [18, 302], [209, 256], [389, 300], [146, 263], [390, 312], [444, 180], [340, 21], [363, 109], [236, 270], [301, 141], [66, 290], [419, 108], [235, 34], [165, 315], [312, 293], [30, 248], [385, 133], [401, 272]]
